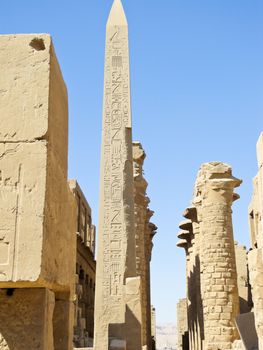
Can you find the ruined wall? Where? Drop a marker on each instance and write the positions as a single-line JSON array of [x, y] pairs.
[[144, 233], [255, 256], [207, 237], [85, 270], [37, 242]]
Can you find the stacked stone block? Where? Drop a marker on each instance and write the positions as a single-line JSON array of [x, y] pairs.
[[207, 236], [37, 240]]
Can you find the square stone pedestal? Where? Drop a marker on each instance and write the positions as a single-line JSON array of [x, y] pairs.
[[26, 319]]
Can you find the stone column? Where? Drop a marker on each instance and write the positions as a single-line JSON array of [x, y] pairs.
[[182, 323], [218, 266], [144, 233], [195, 308], [140, 207], [186, 241]]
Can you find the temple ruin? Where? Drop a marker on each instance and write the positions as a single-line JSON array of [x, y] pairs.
[[48, 270], [220, 310], [56, 293]]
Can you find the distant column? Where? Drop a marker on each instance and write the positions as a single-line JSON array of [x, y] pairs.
[[144, 232]]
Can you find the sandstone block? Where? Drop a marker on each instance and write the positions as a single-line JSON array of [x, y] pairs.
[[26, 319], [37, 243], [33, 96]]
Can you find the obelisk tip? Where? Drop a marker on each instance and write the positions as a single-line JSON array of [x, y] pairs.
[[117, 15]]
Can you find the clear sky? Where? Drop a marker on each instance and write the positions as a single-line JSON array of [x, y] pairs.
[[197, 96]]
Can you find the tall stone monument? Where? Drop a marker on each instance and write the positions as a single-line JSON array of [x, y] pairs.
[[117, 304]]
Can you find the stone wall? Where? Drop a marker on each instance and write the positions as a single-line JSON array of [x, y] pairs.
[[37, 240], [85, 270], [144, 233], [255, 256]]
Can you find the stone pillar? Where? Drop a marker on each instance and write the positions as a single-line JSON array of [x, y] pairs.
[[140, 209], [182, 323], [117, 304], [144, 233], [37, 240], [207, 236], [255, 256], [218, 266], [244, 291]]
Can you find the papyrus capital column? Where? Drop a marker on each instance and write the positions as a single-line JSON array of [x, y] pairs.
[[219, 276]]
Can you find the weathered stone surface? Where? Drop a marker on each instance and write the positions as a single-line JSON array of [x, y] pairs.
[[85, 270], [247, 330], [255, 256], [38, 211], [26, 319], [213, 301], [182, 323], [133, 317], [144, 233], [36, 242], [238, 345], [116, 244], [243, 278]]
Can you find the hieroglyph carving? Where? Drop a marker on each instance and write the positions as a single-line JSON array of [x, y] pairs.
[[116, 119]]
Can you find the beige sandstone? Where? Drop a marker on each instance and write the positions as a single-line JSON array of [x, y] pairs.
[[255, 256], [144, 233], [243, 278], [37, 240], [118, 290], [182, 325], [207, 237], [85, 270], [26, 319]]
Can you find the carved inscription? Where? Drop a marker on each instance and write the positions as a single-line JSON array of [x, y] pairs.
[[116, 119], [10, 187]]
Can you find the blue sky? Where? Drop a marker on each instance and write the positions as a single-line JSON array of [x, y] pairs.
[[197, 88]]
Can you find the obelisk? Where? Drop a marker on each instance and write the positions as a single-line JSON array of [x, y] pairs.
[[116, 282]]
